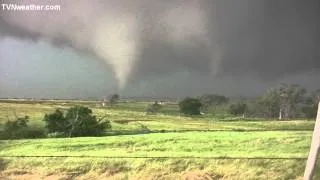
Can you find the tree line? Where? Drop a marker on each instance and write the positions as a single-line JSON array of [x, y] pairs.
[[287, 101]]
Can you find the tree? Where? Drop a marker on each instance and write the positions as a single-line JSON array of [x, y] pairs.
[[212, 100], [190, 106], [114, 98], [291, 96], [310, 111], [270, 103], [55, 122], [238, 109], [310, 107], [255, 108], [77, 121], [283, 101]]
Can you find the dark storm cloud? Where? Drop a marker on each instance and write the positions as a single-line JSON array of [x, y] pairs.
[[267, 39], [6, 29], [264, 38], [272, 39]]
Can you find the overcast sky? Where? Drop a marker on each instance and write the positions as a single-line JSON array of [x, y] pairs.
[[176, 48]]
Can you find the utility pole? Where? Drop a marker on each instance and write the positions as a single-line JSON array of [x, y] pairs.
[[314, 149]]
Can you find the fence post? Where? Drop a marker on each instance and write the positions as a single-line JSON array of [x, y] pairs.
[[314, 149]]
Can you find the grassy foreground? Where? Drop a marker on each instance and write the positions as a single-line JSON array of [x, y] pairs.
[[291, 145], [189, 144], [288, 145], [185, 169], [171, 153]]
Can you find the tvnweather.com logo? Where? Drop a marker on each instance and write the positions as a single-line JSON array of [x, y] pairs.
[[28, 7]]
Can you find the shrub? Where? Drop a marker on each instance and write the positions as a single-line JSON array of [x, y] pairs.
[[33, 132], [77, 121], [19, 129], [16, 129], [154, 108], [190, 106], [56, 135], [3, 164], [3, 135]]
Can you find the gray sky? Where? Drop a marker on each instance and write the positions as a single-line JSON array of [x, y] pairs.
[[91, 48]]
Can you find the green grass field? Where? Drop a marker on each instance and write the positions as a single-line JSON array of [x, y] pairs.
[[161, 146]]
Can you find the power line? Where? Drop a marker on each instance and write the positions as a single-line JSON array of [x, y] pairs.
[[163, 157], [116, 133]]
